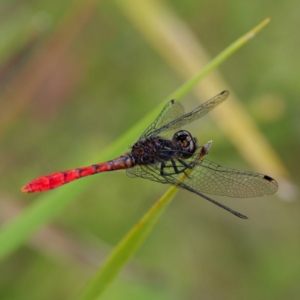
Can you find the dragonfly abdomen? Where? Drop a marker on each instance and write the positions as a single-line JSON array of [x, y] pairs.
[[57, 179]]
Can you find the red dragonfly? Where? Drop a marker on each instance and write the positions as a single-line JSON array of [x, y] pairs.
[[163, 154]]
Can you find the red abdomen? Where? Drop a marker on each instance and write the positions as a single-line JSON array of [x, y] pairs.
[[57, 179]]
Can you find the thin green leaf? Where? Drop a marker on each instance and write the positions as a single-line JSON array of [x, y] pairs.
[[127, 247]]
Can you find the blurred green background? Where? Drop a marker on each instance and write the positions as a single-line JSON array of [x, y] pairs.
[[75, 76]]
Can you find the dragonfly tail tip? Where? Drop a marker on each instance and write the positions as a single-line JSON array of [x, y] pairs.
[[26, 189]]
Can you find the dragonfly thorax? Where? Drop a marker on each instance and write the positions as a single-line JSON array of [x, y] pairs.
[[184, 143], [152, 150]]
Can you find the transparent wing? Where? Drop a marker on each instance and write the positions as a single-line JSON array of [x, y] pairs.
[[171, 111], [197, 113], [211, 178], [151, 172]]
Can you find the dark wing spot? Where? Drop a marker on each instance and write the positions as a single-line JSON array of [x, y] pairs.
[[269, 178], [225, 91]]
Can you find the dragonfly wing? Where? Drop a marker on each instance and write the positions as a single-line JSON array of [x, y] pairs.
[[208, 177], [211, 178], [172, 110], [151, 172], [195, 114], [182, 185]]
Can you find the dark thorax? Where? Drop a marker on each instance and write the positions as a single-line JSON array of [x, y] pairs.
[[148, 151], [156, 149]]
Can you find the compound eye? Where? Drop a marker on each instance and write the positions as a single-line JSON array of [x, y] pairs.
[[182, 136], [184, 143]]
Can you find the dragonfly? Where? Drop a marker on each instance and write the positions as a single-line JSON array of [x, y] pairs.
[[166, 153]]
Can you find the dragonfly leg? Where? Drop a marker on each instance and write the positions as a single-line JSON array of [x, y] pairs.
[[163, 166], [187, 166], [173, 165]]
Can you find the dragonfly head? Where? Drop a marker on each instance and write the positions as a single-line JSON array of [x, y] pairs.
[[184, 143]]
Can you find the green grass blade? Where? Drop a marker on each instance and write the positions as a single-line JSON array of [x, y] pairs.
[[127, 247], [214, 63], [49, 205]]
